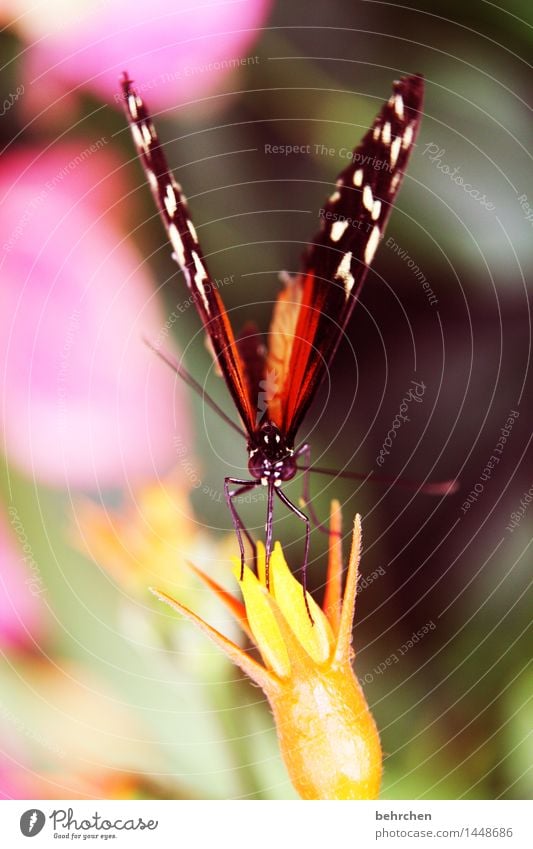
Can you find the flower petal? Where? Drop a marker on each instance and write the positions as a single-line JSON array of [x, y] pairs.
[[86, 403], [21, 613], [333, 594], [263, 624], [344, 638], [248, 665], [235, 607], [179, 50], [316, 637]]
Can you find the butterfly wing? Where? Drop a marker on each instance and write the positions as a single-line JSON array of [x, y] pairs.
[[252, 349], [314, 308], [187, 252]]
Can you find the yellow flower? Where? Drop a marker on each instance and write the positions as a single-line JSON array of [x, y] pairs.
[[327, 736], [149, 539]]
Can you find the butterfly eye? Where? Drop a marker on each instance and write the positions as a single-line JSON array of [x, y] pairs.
[[256, 463], [288, 469]]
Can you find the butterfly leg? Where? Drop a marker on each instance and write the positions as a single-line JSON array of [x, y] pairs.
[[269, 527], [304, 451], [238, 524], [294, 509]]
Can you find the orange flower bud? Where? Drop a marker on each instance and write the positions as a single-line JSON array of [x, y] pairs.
[[328, 738]]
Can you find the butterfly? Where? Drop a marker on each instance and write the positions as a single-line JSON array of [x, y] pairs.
[[273, 387]]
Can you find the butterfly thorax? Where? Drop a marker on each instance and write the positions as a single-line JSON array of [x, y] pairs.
[[270, 456]]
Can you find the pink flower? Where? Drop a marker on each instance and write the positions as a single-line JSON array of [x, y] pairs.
[[180, 49], [21, 615], [12, 779], [85, 402]]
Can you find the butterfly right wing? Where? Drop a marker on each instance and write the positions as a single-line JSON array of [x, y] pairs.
[[312, 311], [174, 212]]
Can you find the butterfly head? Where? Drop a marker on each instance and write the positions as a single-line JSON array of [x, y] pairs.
[[270, 457]]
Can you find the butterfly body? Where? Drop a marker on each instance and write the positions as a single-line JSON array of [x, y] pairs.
[[270, 458], [273, 387]]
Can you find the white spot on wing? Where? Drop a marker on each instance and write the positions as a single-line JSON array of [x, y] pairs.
[[146, 133], [344, 273], [376, 209], [137, 137], [368, 198], [132, 106], [371, 245], [177, 244], [152, 179], [394, 150], [407, 136], [334, 197], [385, 135], [398, 105], [358, 177], [199, 277], [394, 182], [170, 201], [377, 131], [337, 230], [192, 230]]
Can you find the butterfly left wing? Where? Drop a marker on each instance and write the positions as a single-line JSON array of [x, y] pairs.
[[312, 312], [188, 254]]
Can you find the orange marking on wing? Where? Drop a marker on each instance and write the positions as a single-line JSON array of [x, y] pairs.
[[280, 343]]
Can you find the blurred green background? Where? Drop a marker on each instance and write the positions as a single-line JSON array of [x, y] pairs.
[[112, 696]]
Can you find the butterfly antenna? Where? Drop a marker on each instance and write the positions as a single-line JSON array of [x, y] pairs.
[[182, 372], [449, 487]]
